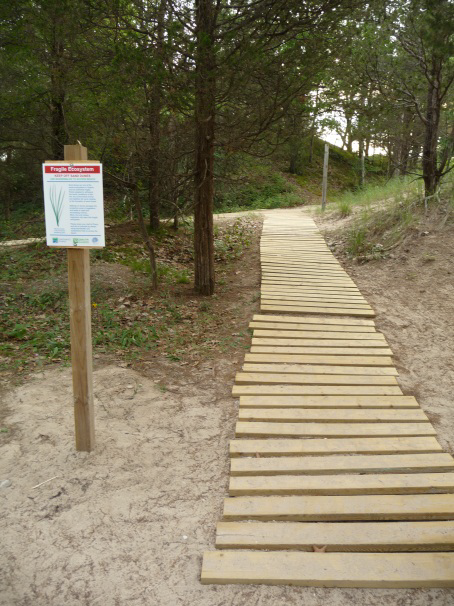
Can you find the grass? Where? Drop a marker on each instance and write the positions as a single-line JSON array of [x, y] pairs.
[[378, 230], [128, 320], [386, 214], [376, 193], [344, 208]]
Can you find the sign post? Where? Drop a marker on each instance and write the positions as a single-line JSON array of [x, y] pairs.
[[325, 176], [75, 220]]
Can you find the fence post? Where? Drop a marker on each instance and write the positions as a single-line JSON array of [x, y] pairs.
[[325, 176]]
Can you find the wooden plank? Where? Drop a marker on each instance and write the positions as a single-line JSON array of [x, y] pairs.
[[373, 570], [325, 260], [310, 244], [317, 415], [398, 483], [293, 262], [318, 259], [288, 292], [335, 276], [331, 430], [318, 310], [334, 297], [297, 298], [283, 266], [296, 273], [316, 390], [302, 265], [314, 251], [292, 447], [397, 463], [309, 268], [289, 288], [338, 507], [292, 257], [323, 350], [250, 378], [309, 320], [311, 342], [298, 260], [310, 294], [289, 267], [319, 369], [308, 281], [269, 284], [301, 360], [346, 282], [275, 260], [339, 536], [300, 334], [311, 327], [328, 402], [325, 302]]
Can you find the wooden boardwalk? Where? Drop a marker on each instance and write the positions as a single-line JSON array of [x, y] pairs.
[[329, 455]]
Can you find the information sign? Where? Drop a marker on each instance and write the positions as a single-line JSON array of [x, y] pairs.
[[73, 203]]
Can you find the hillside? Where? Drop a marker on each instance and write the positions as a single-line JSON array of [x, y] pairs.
[[267, 183]]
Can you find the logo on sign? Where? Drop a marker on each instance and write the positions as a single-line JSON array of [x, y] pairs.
[[54, 240], [94, 240]]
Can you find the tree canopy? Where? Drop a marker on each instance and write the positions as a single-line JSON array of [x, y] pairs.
[[166, 92]]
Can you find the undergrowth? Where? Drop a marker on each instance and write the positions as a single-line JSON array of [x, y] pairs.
[[128, 319], [388, 214]]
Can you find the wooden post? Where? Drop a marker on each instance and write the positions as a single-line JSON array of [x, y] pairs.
[[325, 176], [80, 322]]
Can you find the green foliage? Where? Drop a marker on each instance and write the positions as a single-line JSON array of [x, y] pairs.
[[34, 316], [251, 186]]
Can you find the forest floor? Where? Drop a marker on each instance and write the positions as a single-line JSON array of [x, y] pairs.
[[128, 524]]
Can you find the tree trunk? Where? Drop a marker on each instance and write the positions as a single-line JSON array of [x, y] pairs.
[[154, 116], [432, 121], [146, 238], [311, 147], [348, 132], [9, 186], [59, 134], [362, 169], [204, 146], [153, 157]]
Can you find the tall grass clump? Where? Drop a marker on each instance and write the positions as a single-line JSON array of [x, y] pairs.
[[379, 228], [344, 207]]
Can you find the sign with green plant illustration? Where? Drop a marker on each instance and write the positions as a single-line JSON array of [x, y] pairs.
[[57, 198], [73, 203]]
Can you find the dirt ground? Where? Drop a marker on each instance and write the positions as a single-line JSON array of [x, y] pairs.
[[128, 523]]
